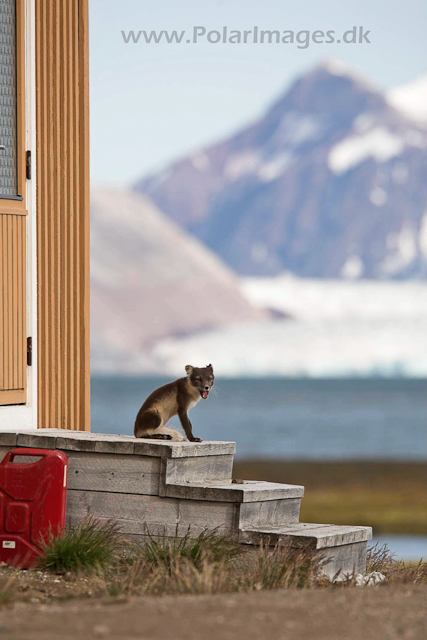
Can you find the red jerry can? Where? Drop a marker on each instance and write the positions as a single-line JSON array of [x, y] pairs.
[[33, 500]]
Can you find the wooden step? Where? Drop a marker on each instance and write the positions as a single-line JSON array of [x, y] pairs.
[[248, 491], [112, 443], [257, 503], [321, 536], [128, 456], [343, 548]]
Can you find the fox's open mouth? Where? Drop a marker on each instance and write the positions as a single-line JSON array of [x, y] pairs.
[[204, 394]]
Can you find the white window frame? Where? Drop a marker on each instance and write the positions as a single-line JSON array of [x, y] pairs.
[[17, 417]]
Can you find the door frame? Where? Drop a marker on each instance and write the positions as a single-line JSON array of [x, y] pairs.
[[25, 416]]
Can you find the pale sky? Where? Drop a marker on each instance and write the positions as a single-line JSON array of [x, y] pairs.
[[151, 103]]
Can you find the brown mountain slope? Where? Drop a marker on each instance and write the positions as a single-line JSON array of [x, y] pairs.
[[150, 279]]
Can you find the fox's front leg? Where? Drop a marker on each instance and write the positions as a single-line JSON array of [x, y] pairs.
[[186, 425]]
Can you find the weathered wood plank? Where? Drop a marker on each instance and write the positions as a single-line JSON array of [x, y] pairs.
[[339, 535], [83, 441], [8, 438], [211, 515], [3, 451], [205, 448], [117, 445], [35, 440], [113, 472], [200, 469], [347, 559], [250, 491], [270, 513], [140, 514], [104, 442], [185, 449], [321, 536], [75, 444]]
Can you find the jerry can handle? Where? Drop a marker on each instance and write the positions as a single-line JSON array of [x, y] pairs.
[[40, 453]]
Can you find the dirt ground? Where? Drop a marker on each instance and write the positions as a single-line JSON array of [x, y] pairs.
[[33, 585], [379, 613]]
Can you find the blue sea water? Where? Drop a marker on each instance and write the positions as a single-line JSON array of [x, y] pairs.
[[277, 418], [411, 548]]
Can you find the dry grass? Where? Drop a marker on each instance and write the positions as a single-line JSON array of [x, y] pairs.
[[381, 559], [206, 564], [212, 564], [209, 545], [281, 567]]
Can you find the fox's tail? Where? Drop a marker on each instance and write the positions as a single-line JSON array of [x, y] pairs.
[[176, 435]]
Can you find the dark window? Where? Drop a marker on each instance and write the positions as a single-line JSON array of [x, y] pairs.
[[8, 122]]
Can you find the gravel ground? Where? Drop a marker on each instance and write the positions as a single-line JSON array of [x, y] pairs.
[[379, 613]]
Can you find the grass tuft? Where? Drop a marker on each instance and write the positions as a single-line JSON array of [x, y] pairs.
[[380, 558], [283, 567], [208, 546], [90, 545]]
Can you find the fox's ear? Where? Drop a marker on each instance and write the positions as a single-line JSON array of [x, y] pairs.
[[188, 369], [209, 366]]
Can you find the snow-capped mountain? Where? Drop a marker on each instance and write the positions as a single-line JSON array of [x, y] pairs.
[[149, 280], [411, 99], [330, 182]]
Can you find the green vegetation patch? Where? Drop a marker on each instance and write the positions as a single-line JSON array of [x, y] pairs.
[[89, 545]]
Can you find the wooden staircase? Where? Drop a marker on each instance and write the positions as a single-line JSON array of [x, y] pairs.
[[167, 488]]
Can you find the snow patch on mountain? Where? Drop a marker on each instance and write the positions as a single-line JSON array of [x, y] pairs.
[[411, 99], [352, 268], [274, 168], [295, 129], [338, 67], [201, 161], [403, 250], [241, 164], [379, 143]]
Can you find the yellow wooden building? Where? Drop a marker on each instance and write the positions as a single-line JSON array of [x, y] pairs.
[[44, 214]]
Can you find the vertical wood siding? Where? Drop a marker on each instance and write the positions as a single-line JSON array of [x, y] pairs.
[[62, 123], [13, 337]]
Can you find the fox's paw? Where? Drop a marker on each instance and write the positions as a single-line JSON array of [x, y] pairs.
[[196, 440]]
